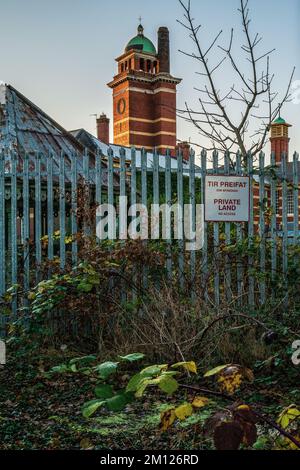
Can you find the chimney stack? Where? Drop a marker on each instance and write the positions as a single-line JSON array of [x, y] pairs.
[[103, 129], [185, 148], [164, 49]]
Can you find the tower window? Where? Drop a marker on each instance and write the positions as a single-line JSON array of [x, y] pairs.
[[130, 64], [122, 67], [155, 66], [148, 65], [142, 64]]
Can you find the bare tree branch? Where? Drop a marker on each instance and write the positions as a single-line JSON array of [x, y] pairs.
[[253, 92]]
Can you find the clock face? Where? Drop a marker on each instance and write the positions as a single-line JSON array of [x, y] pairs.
[[121, 106]]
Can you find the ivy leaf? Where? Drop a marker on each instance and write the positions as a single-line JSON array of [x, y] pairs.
[[106, 369], [103, 391], [190, 366], [184, 411], [132, 357], [90, 407]]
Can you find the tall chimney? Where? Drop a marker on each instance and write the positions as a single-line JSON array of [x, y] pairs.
[[185, 149], [103, 128], [164, 49]]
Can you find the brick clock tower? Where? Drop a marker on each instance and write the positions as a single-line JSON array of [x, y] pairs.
[[144, 95], [279, 138]]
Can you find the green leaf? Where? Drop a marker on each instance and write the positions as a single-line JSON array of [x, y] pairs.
[[153, 370], [103, 391], [132, 357], [189, 366], [144, 384], [168, 385], [134, 382], [106, 369], [83, 287], [83, 360], [90, 407], [118, 402], [215, 371], [60, 369]]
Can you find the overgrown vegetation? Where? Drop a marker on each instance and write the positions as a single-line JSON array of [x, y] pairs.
[[107, 399]]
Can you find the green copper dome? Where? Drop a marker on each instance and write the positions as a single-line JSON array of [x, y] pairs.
[[141, 43], [280, 120]]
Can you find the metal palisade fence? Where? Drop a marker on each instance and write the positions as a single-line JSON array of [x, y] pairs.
[[39, 216]]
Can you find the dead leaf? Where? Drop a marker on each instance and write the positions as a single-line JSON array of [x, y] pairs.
[[228, 436], [199, 402]]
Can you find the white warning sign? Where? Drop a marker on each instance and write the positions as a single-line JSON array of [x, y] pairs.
[[227, 198]]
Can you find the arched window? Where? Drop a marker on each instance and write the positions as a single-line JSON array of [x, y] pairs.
[[130, 64], [122, 68], [155, 66], [142, 64], [148, 66]]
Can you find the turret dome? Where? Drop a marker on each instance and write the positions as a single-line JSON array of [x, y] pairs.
[[141, 43]]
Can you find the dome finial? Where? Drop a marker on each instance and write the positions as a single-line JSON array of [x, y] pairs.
[[140, 27]]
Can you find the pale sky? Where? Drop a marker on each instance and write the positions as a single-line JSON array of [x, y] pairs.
[[60, 53]]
